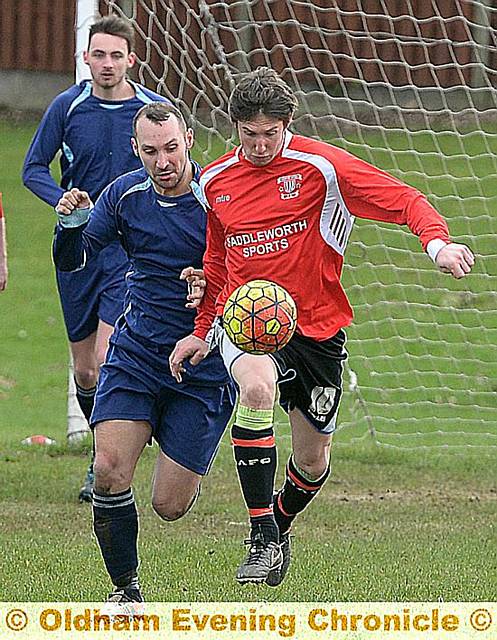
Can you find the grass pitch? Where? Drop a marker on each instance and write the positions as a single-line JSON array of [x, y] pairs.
[[389, 525], [386, 527]]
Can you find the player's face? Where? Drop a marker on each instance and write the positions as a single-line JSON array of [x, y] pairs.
[[109, 60], [261, 138], [163, 149]]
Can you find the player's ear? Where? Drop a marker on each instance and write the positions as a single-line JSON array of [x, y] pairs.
[[86, 57], [131, 59], [190, 139], [134, 146]]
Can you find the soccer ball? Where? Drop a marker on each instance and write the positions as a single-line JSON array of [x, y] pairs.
[[260, 317]]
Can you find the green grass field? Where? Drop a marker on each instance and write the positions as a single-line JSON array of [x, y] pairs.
[[391, 524]]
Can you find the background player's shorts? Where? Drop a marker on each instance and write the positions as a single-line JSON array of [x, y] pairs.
[[309, 375], [187, 420], [93, 293]]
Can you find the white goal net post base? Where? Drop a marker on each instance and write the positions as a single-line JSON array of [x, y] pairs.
[[411, 88], [77, 425]]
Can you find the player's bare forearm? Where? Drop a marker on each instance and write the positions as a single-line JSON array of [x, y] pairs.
[[196, 286], [456, 259], [191, 348]]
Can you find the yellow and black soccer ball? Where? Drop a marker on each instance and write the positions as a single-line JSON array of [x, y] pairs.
[[260, 317]]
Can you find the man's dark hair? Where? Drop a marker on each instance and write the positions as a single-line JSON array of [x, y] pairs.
[[262, 92], [159, 112], [114, 26]]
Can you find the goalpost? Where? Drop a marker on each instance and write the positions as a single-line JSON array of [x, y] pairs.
[[411, 88], [86, 10]]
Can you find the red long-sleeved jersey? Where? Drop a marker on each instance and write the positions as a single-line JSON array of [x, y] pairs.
[[289, 222]]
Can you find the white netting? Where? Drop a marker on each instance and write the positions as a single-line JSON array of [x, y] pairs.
[[410, 87]]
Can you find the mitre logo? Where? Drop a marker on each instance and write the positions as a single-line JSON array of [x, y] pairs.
[[223, 198], [289, 186]]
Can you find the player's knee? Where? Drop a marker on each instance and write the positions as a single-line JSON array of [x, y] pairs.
[[109, 474], [85, 376], [170, 510], [258, 393], [174, 505]]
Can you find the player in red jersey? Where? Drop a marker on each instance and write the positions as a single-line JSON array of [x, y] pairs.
[[282, 208]]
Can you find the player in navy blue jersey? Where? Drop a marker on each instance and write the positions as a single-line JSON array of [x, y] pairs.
[[158, 216], [91, 124]]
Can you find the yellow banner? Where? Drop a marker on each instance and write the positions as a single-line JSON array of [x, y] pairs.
[[250, 620]]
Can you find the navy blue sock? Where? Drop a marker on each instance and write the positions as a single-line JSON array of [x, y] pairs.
[[85, 398], [115, 523]]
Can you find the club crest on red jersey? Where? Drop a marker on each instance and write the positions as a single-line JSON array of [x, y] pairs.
[[289, 186]]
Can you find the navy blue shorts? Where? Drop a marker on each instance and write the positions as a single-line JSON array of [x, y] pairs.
[[93, 293], [187, 420]]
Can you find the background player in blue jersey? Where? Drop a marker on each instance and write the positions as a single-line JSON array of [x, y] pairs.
[[157, 215], [91, 124]]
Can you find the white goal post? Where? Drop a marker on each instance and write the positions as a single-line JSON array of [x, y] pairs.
[[86, 11], [411, 88]]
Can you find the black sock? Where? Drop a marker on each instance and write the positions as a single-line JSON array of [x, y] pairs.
[[255, 456], [85, 398], [115, 523], [295, 495]]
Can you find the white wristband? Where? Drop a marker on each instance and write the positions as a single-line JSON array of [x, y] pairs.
[[75, 219], [434, 246]]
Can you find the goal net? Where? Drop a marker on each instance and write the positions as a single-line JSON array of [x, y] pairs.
[[411, 88]]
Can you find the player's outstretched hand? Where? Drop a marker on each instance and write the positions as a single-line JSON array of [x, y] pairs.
[[456, 259], [191, 348], [73, 199], [196, 286]]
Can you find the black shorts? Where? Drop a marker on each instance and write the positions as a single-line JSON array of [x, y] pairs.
[[310, 378]]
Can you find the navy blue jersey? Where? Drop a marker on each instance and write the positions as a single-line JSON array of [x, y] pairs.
[[93, 136], [161, 236]]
